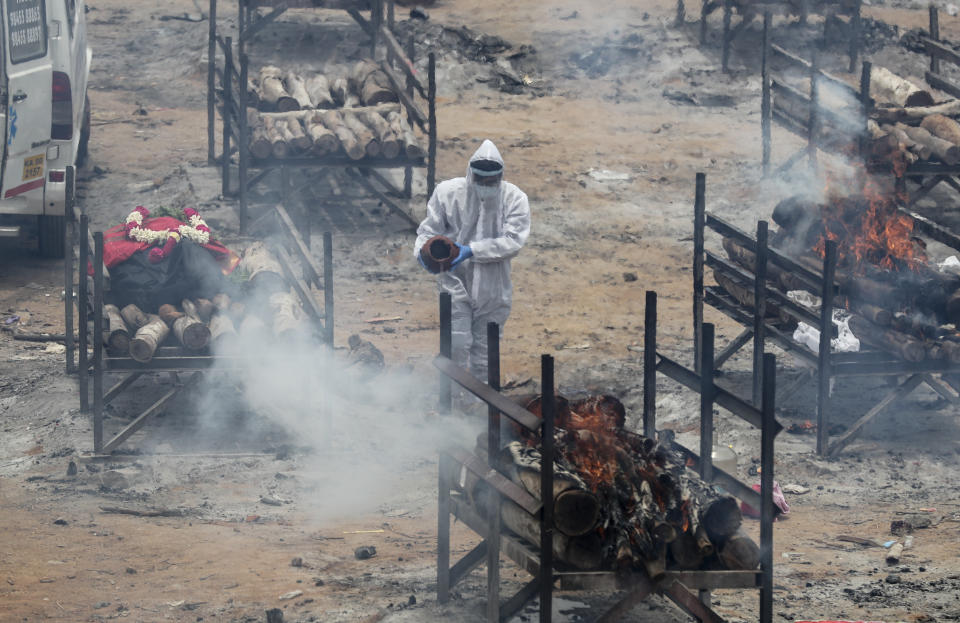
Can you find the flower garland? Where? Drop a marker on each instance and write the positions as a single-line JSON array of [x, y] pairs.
[[197, 231]]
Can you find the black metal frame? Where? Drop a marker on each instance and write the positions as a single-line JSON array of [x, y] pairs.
[[233, 105], [926, 174], [173, 359], [823, 364], [675, 585], [751, 10]]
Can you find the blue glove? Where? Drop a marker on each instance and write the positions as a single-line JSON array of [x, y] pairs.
[[420, 259], [465, 253]]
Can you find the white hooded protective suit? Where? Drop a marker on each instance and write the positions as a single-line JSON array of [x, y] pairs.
[[495, 230]]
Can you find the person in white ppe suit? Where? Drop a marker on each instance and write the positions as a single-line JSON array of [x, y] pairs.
[[489, 220]]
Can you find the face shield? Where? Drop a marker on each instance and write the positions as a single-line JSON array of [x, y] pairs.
[[486, 176]]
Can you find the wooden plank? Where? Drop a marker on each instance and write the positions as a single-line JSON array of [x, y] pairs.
[[152, 410], [690, 604], [899, 392], [940, 51], [933, 230], [468, 563], [801, 63], [407, 100], [938, 81], [306, 257], [405, 63]]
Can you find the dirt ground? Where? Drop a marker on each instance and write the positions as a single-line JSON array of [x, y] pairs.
[[621, 109]]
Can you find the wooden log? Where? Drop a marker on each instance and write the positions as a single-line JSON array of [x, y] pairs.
[[272, 92], [133, 317], [371, 84], [400, 127], [944, 150], [389, 142], [343, 94], [916, 114], [720, 517], [318, 90], [576, 510], [685, 551], [265, 275], [148, 338], [382, 109], [273, 133], [221, 301], [253, 97], [297, 90], [189, 329], [204, 308], [900, 344], [324, 140], [951, 350], [889, 88], [747, 259], [922, 151], [169, 313], [745, 296], [253, 329], [222, 331], [117, 335], [365, 136], [740, 552], [288, 321], [943, 127], [333, 120], [877, 315], [286, 134], [260, 145], [299, 139]]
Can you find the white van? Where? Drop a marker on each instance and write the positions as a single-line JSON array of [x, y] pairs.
[[45, 114]]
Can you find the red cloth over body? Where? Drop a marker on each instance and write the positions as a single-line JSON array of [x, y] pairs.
[[117, 247]]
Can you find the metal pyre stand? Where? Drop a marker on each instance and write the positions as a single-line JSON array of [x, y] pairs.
[[548, 574], [174, 360]]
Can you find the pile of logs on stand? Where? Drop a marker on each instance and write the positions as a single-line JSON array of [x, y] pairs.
[[359, 115], [621, 501], [907, 125], [903, 306], [268, 310]]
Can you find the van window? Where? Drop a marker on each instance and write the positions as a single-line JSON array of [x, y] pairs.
[[27, 30]]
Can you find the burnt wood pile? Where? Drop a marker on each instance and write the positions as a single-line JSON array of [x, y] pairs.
[[898, 302], [621, 501]]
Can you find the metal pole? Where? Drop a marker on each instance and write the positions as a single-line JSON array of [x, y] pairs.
[[443, 530], [493, 448], [244, 144], [706, 403], [727, 15], [432, 122], [83, 299], [446, 350], [935, 35], [211, 81], [68, 292], [408, 170], [699, 219], [546, 490], [328, 287], [376, 18], [759, 310], [854, 44], [823, 357], [767, 433], [813, 129], [865, 107], [98, 342], [765, 109], [227, 112], [681, 14], [650, 366]]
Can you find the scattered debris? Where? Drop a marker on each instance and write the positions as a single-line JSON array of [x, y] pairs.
[[796, 489], [274, 615], [264, 499], [71, 468], [364, 552], [113, 481], [290, 595], [60, 521], [858, 540], [296, 562], [419, 13], [160, 512], [628, 277]]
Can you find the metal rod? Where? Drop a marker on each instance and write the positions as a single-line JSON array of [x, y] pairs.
[[706, 402], [727, 39], [865, 107], [68, 291], [813, 125], [759, 310], [227, 126], [854, 42], [650, 366], [390, 14], [376, 18], [443, 530], [493, 451], [211, 82], [244, 142], [767, 434], [765, 108], [681, 14], [935, 35], [823, 356], [899, 392], [699, 220], [83, 299], [432, 122], [328, 287], [408, 170], [446, 350], [705, 10], [731, 349], [546, 490], [98, 342]]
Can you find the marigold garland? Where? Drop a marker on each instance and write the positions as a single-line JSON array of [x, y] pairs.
[[196, 231]]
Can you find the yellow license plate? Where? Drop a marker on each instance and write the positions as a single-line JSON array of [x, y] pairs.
[[33, 167]]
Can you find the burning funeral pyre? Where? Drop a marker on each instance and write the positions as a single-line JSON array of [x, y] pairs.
[[898, 302], [621, 501]]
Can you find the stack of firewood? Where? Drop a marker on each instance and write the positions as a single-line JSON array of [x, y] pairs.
[[275, 90], [620, 500], [268, 310], [903, 306]]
